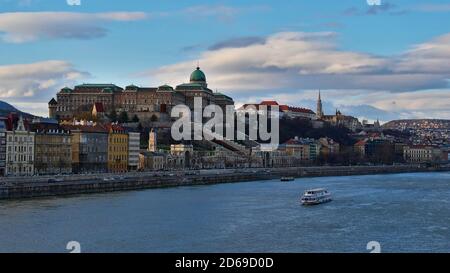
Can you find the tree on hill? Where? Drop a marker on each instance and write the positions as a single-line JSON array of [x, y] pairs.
[[113, 115], [290, 128], [123, 117]]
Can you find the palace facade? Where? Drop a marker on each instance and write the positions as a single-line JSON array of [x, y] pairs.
[[146, 103]]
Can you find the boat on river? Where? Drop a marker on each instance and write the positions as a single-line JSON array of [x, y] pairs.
[[316, 196], [287, 178]]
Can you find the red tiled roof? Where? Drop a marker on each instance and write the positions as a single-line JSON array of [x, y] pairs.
[[360, 143], [269, 102], [115, 127], [301, 110], [12, 119], [284, 107], [85, 128]]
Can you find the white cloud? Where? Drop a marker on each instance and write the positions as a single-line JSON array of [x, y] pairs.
[[21, 27], [429, 57], [291, 66], [36, 82], [312, 60]]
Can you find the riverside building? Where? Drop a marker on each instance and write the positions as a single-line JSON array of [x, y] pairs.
[[19, 150], [422, 154], [89, 148], [53, 149], [117, 149], [134, 141], [2, 147]]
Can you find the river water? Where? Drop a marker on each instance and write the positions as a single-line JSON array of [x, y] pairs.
[[403, 212]]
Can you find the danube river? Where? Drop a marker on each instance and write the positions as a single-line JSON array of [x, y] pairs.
[[403, 212]]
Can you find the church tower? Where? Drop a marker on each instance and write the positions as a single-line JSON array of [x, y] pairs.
[[152, 141], [319, 112], [376, 124], [52, 107]]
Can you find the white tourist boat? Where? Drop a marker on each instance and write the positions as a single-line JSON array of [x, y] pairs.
[[316, 196]]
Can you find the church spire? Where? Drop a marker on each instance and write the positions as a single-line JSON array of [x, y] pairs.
[[20, 124], [319, 112]]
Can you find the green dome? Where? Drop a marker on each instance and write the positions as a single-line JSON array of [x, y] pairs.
[[198, 76], [66, 90]]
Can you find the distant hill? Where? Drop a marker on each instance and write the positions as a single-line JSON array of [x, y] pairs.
[[6, 108], [417, 124]]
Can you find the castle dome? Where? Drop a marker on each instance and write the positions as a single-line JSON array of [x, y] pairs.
[[198, 76]]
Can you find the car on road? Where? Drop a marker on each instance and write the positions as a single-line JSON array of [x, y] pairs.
[[55, 180]]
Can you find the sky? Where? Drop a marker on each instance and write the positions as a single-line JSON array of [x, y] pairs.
[[386, 60]]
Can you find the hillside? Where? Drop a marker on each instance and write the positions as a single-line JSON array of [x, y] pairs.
[[418, 124], [6, 108]]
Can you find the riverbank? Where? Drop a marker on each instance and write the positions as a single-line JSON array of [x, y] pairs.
[[19, 188]]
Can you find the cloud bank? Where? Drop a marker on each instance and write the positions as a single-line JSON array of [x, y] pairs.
[[313, 61], [21, 27], [35, 81], [288, 63]]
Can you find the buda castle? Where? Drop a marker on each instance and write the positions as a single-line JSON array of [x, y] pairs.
[[146, 103]]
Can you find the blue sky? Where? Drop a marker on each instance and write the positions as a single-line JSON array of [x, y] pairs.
[[384, 61]]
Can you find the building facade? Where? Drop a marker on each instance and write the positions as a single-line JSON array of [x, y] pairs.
[[422, 154], [89, 148], [147, 103], [117, 149], [20, 151], [328, 146], [2, 148], [152, 161], [53, 149], [134, 142], [298, 148]]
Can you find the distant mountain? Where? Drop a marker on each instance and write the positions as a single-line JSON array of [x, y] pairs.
[[418, 124], [6, 108]]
